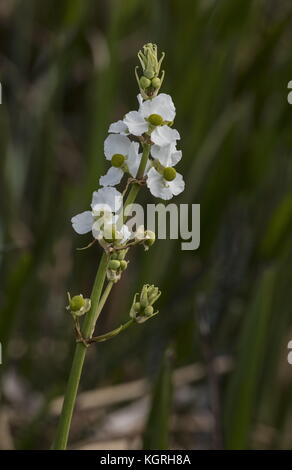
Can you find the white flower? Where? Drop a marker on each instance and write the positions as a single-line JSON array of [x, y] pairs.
[[106, 203], [158, 110], [161, 105], [167, 155], [160, 187], [120, 151], [107, 200]]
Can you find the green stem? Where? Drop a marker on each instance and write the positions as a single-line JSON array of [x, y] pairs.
[[91, 318], [78, 360], [111, 334], [136, 187]]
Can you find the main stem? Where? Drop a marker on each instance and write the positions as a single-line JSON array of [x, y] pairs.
[[91, 318]]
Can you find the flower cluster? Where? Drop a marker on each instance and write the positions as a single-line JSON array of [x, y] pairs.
[[152, 122], [151, 126]]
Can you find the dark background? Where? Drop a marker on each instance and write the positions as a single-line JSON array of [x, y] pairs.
[[67, 71]]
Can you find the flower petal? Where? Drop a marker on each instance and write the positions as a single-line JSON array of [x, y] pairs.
[[167, 155], [157, 185], [116, 143], [164, 135], [118, 127], [107, 198], [161, 104], [135, 123], [177, 186], [112, 177], [134, 159], [82, 223], [125, 233]]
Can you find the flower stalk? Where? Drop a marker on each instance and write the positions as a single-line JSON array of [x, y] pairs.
[[149, 128]]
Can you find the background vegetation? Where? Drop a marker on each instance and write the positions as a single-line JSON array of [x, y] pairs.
[[67, 71]]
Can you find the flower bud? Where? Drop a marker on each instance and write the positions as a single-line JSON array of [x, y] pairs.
[[114, 264], [148, 310], [149, 83], [78, 305], [144, 82], [123, 264], [156, 82], [169, 173], [142, 310], [137, 307]]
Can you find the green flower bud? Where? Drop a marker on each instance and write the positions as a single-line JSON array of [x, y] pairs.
[[144, 82], [137, 307], [114, 264], [169, 173], [117, 160], [149, 62], [155, 119], [114, 255], [76, 302], [156, 82], [148, 311], [78, 305], [123, 264]]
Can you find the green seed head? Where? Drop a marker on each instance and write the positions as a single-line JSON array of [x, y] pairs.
[[77, 302], [169, 173], [155, 119], [114, 264], [148, 311], [156, 82], [144, 82], [117, 160]]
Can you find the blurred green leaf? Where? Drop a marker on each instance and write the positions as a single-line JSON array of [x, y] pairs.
[[156, 434]]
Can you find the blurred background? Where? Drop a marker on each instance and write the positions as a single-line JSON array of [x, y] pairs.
[[211, 370]]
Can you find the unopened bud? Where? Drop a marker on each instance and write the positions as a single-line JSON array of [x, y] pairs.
[[144, 82]]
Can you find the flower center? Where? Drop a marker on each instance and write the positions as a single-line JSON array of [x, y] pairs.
[[155, 119], [117, 160], [169, 173]]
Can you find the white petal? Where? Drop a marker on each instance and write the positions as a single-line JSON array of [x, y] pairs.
[[118, 127], [124, 233], [115, 143], [158, 186], [135, 123], [134, 159], [82, 223], [167, 155], [162, 105], [107, 197], [97, 231], [140, 100], [164, 135], [177, 185], [112, 177]]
